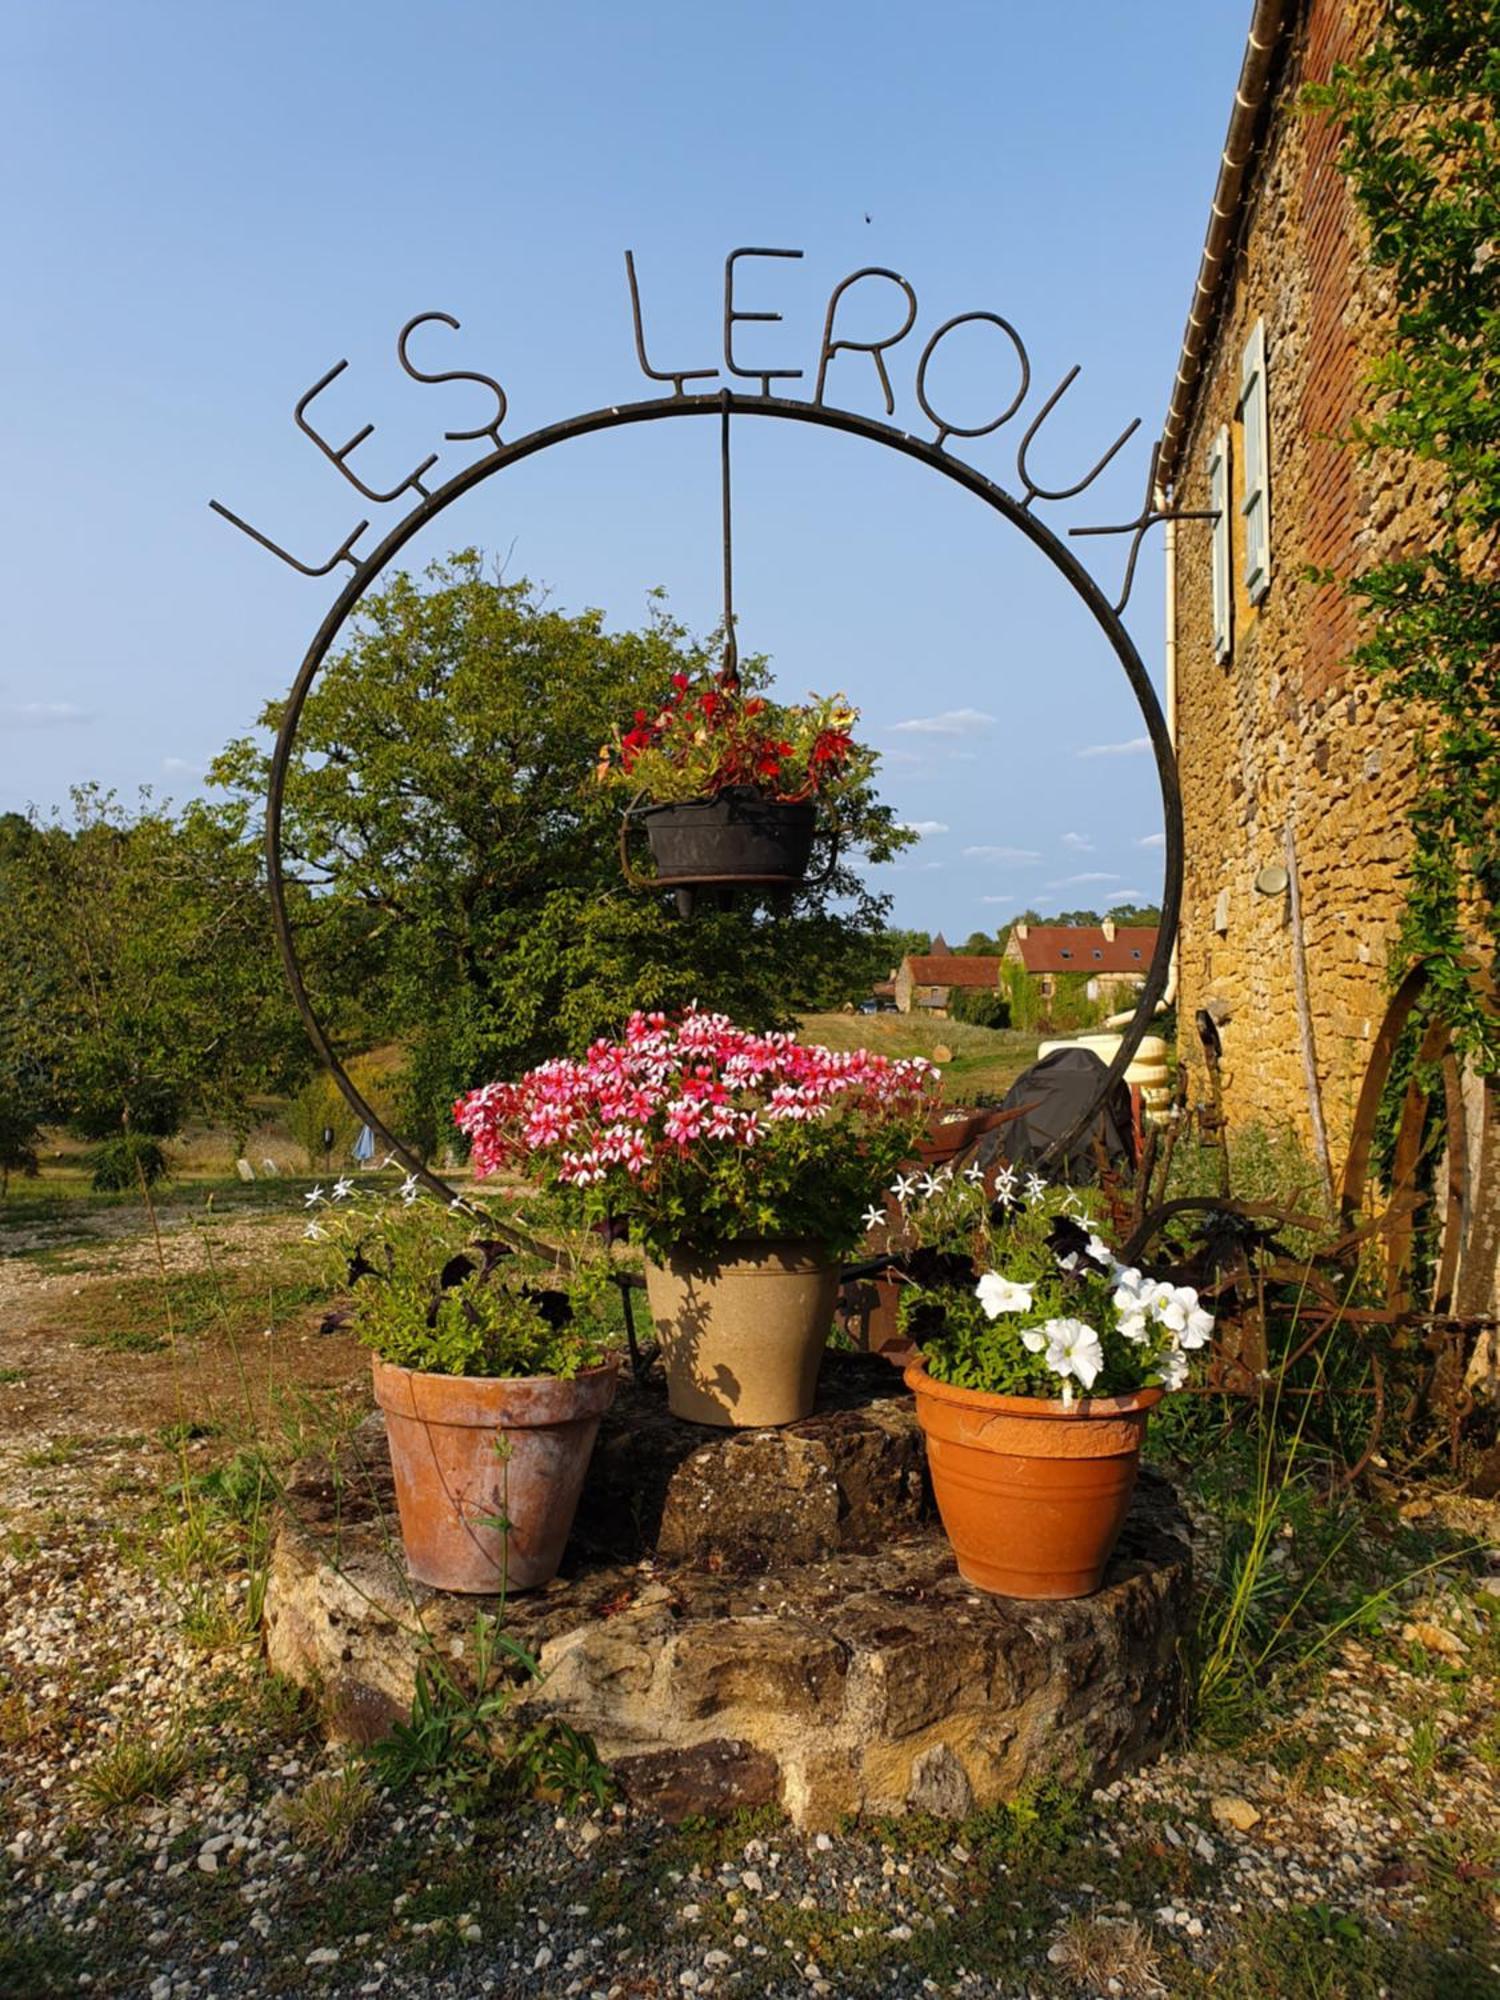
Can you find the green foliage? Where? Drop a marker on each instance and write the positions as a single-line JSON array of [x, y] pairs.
[[470, 901], [801, 1181], [434, 1293], [1069, 1009], [319, 1107], [992, 1287], [703, 738], [1419, 147], [140, 984], [121, 1164], [980, 1007], [458, 1740]]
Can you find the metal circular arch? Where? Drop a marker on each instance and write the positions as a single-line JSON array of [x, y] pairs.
[[711, 405]]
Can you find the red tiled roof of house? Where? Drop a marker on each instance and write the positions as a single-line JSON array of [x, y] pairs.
[[1077, 948], [955, 970]]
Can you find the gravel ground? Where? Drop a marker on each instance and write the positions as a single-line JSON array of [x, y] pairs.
[[1369, 1809]]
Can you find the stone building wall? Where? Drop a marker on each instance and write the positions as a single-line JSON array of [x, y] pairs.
[[1282, 734]]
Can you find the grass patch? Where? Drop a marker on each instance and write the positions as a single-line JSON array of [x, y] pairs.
[[984, 1061], [134, 1767], [331, 1813]]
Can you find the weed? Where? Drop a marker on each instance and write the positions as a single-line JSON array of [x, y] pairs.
[[134, 1768], [10, 1376], [1100, 1955], [330, 1814], [455, 1739]]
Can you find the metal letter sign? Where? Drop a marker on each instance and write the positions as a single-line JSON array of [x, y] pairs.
[[747, 284]]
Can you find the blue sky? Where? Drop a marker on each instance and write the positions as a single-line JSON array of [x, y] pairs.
[[209, 206]]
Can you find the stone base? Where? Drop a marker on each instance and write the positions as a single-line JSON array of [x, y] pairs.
[[761, 1616]]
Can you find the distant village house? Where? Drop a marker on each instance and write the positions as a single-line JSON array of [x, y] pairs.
[[1114, 956]]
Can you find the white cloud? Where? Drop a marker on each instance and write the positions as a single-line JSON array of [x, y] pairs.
[[1152, 840], [1079, 842], [1131, 749], [1132, 896], [1072, 881], [921, 827], [952, 722], [42, 714], [1000, 854]]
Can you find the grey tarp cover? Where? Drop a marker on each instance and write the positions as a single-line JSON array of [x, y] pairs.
[[1055, 1092]]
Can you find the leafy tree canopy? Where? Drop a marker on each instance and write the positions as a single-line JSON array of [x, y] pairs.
[[443, 817], [141, 983]]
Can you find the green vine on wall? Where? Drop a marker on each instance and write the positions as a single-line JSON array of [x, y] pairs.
[[1420, 152]]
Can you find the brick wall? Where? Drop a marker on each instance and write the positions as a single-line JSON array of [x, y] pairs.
[[1281, 732]]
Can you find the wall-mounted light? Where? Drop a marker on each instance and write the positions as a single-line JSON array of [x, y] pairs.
[[1272, 881]]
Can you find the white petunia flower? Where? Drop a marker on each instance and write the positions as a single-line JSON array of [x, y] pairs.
[[1073, 1349], [1173, 1368], [1133, 1326], [1033, 1339], [998, 1294], [1098, 1249], [1199, 1329], [312, 1200]]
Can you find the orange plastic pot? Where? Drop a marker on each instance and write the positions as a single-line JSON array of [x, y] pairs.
[[1033, 1494], [472, 1453]]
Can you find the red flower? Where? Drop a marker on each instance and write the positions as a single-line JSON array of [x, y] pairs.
[[680, 682]]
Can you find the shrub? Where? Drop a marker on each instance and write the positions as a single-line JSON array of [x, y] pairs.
[[980, 1007], [124, 1162]]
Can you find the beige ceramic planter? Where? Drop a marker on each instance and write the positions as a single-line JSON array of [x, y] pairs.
[[742, 1333], [454, 1487]]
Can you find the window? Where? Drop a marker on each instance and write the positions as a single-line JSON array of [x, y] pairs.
[[1098, 954], [1133, 952], [1256, 503], [1065, 953], [1219, 546]]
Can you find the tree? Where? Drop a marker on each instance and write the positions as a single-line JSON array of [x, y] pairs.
[[1135, 913], [442, 812], [143, 985]]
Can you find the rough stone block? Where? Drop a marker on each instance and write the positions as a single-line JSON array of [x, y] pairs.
[[865, 1675]]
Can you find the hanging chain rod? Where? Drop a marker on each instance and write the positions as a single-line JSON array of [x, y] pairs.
[[729, 675]]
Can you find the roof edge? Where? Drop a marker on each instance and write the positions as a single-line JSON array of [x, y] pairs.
[[1268, 24]]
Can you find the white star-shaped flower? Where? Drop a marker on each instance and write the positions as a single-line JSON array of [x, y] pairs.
[[974, 1174], [312, 1200], [313, 1233], [873, 1217], [409, 1190], [903, 1187], [342, 1189], [1036, 1187]]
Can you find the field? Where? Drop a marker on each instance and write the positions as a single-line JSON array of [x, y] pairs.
[[983, 1061]]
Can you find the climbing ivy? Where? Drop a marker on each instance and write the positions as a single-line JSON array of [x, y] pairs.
[[1420, 151]]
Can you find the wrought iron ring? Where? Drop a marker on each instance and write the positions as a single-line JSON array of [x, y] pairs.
[[715, 405]]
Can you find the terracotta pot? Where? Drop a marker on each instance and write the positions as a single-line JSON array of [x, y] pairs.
[[452, 1485], [742, 1332], [1033, 1495]]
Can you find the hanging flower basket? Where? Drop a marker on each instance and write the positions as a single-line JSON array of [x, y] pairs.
[[728, 786], [739, 835]]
